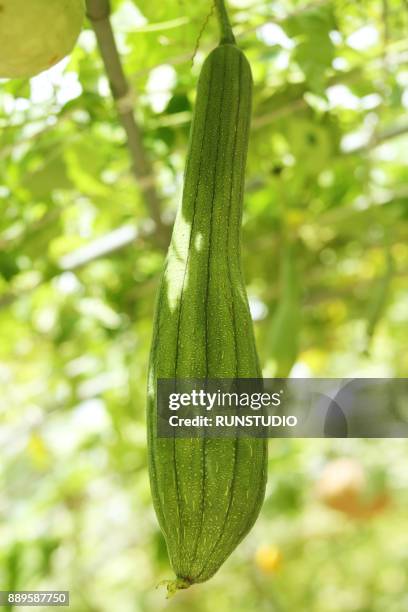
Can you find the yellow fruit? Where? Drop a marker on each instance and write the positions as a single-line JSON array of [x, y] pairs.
[[343, 486], [268, 559], [36, 34]]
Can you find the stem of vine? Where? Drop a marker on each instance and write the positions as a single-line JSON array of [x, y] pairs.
[[227, 36]]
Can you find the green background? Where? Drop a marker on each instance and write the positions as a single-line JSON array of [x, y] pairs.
[[325, 258]]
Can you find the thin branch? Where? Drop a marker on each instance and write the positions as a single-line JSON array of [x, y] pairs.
[[100, 247], [103, 246], [392, 132], [386, 28], [98, 12]]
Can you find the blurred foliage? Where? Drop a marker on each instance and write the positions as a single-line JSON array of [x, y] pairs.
[[325, 256]]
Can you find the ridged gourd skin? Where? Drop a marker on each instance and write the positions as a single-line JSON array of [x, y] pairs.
[[207, 493]]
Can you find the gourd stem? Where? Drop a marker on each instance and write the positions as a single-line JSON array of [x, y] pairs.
[[227, 35]]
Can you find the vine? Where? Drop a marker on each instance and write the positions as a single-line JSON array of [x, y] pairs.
[[227, 36]]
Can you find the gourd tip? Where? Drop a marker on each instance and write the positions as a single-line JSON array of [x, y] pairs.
[[175, 585]]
